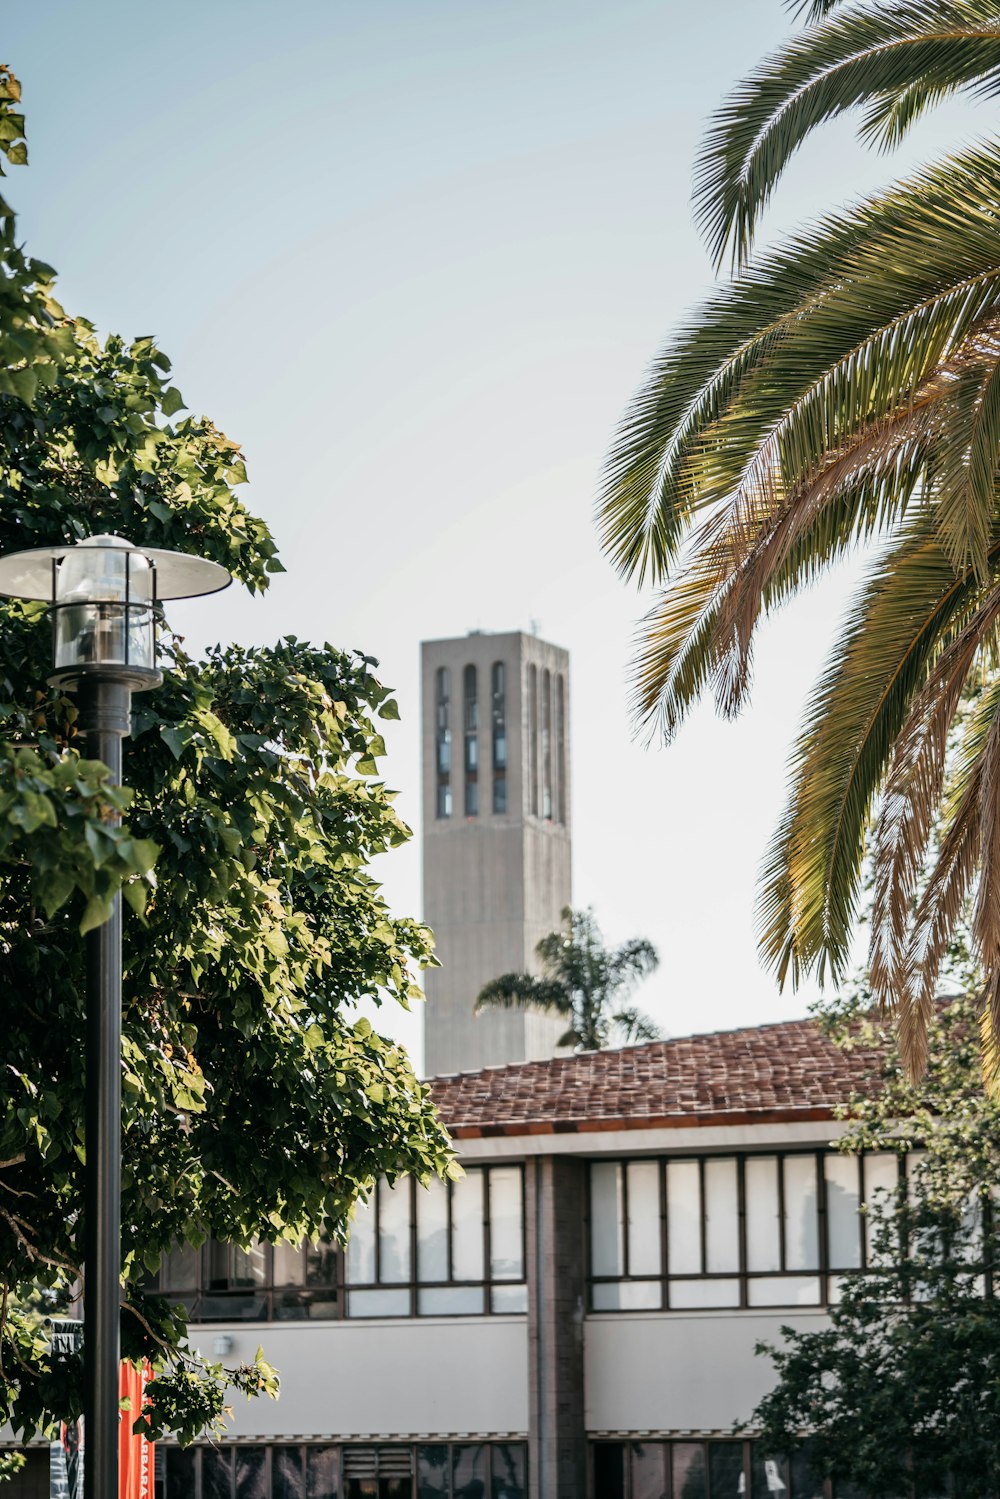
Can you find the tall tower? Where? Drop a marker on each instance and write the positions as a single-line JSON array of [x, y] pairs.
[[496, 841]]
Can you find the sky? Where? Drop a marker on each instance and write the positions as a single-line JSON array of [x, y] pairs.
[[415, 256]]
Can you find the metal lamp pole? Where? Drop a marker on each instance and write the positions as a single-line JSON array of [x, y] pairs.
[[104, 596]]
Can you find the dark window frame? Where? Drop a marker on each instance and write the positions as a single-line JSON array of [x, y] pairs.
[[488, 1284], [389, 1460], [824, 1271], [624, 1446], [271, 1295]]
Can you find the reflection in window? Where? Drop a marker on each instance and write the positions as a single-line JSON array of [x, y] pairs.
[[442, 739], [668, 1233], [533, 740], [547, 745], [498, 686], [469, 1244], [470, 720], [266, 1282], [729, 1469]]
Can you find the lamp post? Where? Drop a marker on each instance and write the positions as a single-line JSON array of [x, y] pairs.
[[104, 596]]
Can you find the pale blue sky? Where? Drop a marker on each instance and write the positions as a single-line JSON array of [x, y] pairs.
[[415, 255]]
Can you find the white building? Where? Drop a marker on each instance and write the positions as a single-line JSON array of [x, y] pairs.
[[576, 1319]]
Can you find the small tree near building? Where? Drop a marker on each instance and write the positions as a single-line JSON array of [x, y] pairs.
[[900, 1394], [584, 981]]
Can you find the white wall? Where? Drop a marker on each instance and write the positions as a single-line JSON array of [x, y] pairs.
[[443, 1377], [678, 1371]]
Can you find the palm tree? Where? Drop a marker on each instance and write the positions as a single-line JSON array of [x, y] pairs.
[[843, 388], [583, 980]]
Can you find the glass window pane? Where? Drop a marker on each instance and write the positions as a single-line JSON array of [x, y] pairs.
[[394, 1232], [806, 1482], [768, 1475], [470, 1471], [725, 1470], [286, 1265], [688, 1465], [649, 1470], [378, 1303], [321, 1472], [321, 1263], [180, 1471], [643, 1196], [287, 1473], [722, 1218], [881, 1181], [249, 1266], [432, 1231], [609, 1470], [843, 1224], [783, 1290], [626, 1296], [507, 1300], [801, 1213], [510, 1470], [506, 1240], [683, 1218], [606, 1223], [467, 1227], [690, 1293], [763, 1244], [432, 1472], [451, 1301], [361, 1246], [179, 1270], [250, 1473], [216, 1473]]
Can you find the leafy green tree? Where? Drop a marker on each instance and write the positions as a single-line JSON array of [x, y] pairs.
[[843, 388], [253, 807], [900, 1393], [584, 981]]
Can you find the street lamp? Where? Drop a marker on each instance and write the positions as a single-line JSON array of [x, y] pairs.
[[104, 596]]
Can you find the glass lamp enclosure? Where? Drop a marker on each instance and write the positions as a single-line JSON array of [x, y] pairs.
[[104, 607]]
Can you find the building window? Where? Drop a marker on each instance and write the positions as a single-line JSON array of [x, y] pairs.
[[442, 739], [547, 745], [533, 740], [689, 1469], [561, 746], [265, 1283], [498, 686], [314, 1470], [731, 1231], [470, 723], [449, 1249]]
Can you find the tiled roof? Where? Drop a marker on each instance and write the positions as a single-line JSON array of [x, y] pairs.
[[769, 1073]]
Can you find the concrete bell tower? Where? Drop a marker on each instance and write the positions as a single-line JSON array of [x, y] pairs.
[[496, 836]]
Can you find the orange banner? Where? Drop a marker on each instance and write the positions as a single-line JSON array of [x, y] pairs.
[[135, 1454]]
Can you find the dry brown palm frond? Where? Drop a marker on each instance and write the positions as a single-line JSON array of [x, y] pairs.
[[912, 793]]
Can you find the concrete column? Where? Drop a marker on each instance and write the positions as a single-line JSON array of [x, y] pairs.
[[557, 1444]]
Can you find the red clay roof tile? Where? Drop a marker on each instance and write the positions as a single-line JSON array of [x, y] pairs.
[[770, 1072]]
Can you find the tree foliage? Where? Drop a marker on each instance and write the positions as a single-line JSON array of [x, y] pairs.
[[900, 1392], [584, 981], [842, 389], [257, 1102]]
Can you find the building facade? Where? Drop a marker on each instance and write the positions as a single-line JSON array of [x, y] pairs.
[[576, 1317], [496, 835]]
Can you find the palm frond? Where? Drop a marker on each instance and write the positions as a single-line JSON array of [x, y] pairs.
[[523, 991], [809, 882], [832, 67], [633, 1025]]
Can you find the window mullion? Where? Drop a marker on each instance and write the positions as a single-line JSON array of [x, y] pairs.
[[741, 1207]]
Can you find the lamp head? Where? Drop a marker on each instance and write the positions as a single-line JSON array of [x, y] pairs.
[[104, 595]]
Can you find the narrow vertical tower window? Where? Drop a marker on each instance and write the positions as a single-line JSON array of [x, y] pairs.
[[499, 696], [470, 697], [533, 738], [442, 693], [561, 746], [547, 745]]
